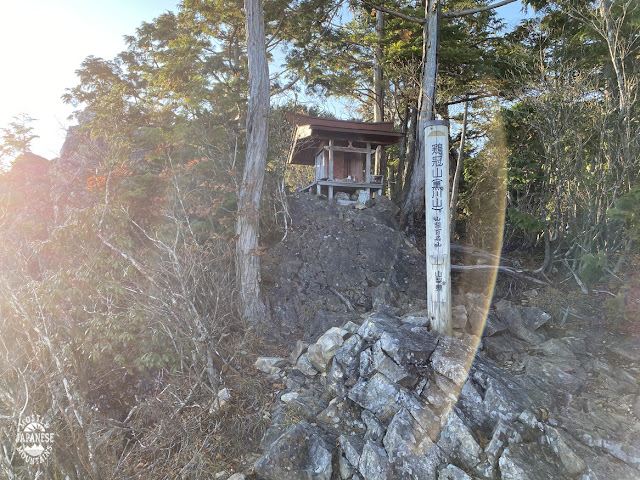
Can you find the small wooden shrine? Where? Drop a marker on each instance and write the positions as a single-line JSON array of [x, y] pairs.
[[341, 152]]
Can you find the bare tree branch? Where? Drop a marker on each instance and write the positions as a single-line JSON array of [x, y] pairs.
[[471, 11], [393, 13], [422, 21]]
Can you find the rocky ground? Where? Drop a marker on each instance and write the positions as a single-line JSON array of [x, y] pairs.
[[370, 392]]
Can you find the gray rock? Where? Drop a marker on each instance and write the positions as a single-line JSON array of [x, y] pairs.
[[376, 324], [349, 351], [362, 196], [342, 196], [494, 449], [555, 348], [452, 359], [451, 472], [330, 416], [491, 394], [449, 389], [424, 415], [394, 372], [438, 399], [303, 452], [304, 365], [504, 348], [298, 350], [375, 431], [459, 316], [269, 365], [530, 461], [351, 447], [308, 404], [459, 443], [551, 379], [522, 321], [321, 352], [335, 380], [628, 350], [513, 318], [366, 363], [279, 424], [350, 327], [345, 470], [493, 325], [409, 448], [561, 443], [416, 319], [476, 305], [341, 417], [409, 346], [289, 397], [379, 395], [404, 433], [237, 476], [534, 317], [374, 463], [295, 380]]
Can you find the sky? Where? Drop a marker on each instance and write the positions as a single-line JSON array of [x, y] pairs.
[[43, 44], [45, 41]]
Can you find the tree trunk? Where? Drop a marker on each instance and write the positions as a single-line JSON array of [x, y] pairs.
[[247, 227], [378, 85], [414, 200], [411, 150], [396, 191], [456, 177]]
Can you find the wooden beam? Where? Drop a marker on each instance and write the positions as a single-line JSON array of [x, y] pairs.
[[367, 171], [331, 148], [355, 185], [347, 149], [330, 192]]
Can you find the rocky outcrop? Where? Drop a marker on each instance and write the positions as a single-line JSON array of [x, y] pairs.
[[385, 398], [337, 262]]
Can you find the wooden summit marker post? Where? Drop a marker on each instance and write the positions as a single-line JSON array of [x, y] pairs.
[[437, 218]]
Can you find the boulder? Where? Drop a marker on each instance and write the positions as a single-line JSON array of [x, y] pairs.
[[531, 461], [303, 452], [451, 472], [269, 365], [459, 443], [374, 462], [298, 350], [321, 352], [409, 346], [459, 317], [378, 395], [452, 359], [289, 397], [304, 365], [351, 447], [394, 372], [409, 448]]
